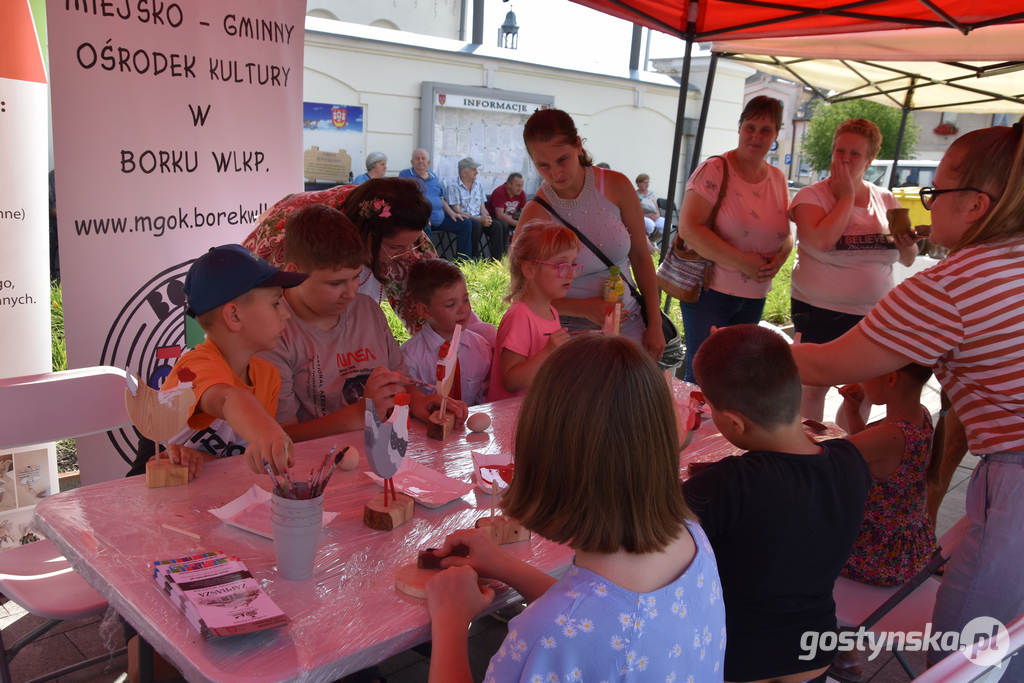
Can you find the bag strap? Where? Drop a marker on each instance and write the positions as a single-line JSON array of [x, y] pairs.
[[590, 245], [713, 216]]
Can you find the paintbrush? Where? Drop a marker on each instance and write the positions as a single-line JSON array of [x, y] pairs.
[[322, 484]]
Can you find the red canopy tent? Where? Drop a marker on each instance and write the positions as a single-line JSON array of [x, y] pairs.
[[700, 20], [736, 19]]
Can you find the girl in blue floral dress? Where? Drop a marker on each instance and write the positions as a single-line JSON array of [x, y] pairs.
[[597, 468]]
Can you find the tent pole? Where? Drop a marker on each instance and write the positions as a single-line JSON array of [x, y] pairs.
[[907, 102], [478, 22], [673, 174], [704, 107], [634, 49]]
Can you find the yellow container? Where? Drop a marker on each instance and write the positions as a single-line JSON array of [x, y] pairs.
[[909, 198]]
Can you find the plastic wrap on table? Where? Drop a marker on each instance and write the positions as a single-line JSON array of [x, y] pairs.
[[349, 615]]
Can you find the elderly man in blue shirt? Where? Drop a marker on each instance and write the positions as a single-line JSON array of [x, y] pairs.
[[430, 185], [466, 213]]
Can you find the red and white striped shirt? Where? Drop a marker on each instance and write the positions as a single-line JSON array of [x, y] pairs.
[[964, 317]]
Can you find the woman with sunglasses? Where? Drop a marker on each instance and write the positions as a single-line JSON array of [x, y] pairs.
[[844, 250], [964, 317], [390, 214], [604, 207]]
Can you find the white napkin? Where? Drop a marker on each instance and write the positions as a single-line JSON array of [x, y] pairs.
[[426, 486], [251, 512]]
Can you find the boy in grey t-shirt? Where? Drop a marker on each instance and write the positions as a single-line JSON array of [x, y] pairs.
[[336, 347]]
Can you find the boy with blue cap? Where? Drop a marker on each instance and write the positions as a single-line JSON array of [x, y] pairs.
[[236, 298]]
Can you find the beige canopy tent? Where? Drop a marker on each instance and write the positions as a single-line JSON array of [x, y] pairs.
[[925, 69]]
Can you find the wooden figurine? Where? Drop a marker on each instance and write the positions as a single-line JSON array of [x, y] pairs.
[[503, 529], [446, 372], [441, 431], [159, 415], [160, 471], [385, 512], [612, 320], [386, 443]]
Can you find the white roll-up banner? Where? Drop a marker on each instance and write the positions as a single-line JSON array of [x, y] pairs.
[[28, 473], [175, 125]]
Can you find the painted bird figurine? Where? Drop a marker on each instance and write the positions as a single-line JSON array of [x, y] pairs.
[[387, 441]]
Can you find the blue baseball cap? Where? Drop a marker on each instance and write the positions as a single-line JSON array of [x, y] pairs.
[[227, 272]]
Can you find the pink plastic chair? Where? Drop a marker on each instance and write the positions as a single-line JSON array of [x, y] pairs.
[[37, 409], [895, 609]]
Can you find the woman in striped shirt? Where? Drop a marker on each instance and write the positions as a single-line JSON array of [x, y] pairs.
[[965, 318]]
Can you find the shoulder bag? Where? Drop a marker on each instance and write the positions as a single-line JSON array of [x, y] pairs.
[[684, 273]]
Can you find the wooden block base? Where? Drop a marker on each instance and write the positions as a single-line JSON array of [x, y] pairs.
[[412, 580], [504, 530], [382, 517], [441, 432], [162, 472]]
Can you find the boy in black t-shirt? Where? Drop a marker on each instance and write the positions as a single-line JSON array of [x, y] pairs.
[[782, 518]]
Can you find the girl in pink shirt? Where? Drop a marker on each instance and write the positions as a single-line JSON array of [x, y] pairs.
[[542, 265]]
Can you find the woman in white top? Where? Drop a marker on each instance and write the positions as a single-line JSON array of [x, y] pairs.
[[604, 207], [844, 249], [751, 238]]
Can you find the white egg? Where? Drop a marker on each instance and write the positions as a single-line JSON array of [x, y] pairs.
[[350, 459], [478, 422]]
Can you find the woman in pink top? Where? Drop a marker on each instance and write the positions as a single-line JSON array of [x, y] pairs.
[[844, 250], [751, 238], [964, 317]]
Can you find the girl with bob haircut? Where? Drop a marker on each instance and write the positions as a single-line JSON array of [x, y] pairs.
[[604, 207], [597, 468], [542, 265], [963, 318]]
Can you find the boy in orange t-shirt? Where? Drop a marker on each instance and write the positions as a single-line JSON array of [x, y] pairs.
[[236, 299]]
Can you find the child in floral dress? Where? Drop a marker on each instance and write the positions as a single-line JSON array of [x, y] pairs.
[[896, 538]]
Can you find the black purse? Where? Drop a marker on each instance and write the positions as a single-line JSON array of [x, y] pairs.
[[672, 356]]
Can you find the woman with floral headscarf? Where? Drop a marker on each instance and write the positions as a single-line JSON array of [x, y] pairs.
[[390, 214]]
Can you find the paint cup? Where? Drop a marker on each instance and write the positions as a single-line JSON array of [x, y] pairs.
[[899, 221], [297, 525]]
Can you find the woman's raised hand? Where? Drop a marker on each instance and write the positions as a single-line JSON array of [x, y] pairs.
[[841, 180]]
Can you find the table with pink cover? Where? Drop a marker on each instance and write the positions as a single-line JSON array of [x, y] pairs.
[[349, 615]]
